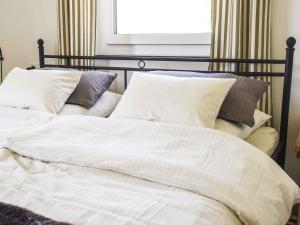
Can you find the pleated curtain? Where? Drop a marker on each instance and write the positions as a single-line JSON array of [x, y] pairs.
[[77, 28], [242, 29]]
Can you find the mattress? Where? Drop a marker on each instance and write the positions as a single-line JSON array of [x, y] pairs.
[[265, 138]]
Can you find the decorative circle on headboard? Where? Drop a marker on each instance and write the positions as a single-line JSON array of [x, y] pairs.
[[141, 64]]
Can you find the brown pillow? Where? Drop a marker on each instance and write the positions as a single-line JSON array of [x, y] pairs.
[[240, 103], [91, 87]]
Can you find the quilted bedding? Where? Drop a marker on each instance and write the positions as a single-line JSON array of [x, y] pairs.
[[85, 170]]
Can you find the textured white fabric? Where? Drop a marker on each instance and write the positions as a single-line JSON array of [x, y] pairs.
[[103, 107], [43, 90], [14, 119], [86, 196], [70, 109], [242, 130], [205, 162], [177, 100], [265, 139]]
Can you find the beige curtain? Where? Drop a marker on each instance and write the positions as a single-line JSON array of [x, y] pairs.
[[242, 29], [77, 28]]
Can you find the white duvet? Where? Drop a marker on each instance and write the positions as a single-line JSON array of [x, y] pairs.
[[123, 172], [13, 119]]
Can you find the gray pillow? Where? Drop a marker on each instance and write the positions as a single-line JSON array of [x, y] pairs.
[[240, 103], [91, 87]]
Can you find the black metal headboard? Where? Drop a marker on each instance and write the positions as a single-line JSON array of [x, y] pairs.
[[280, 152], [1, 66]]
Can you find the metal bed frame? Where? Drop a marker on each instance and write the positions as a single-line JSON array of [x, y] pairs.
[[1, 66], [280, 152]]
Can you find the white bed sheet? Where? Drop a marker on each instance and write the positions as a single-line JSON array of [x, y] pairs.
[[121, 172], [265, 139]]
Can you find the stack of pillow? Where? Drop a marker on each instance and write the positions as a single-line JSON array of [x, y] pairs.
[[91, 96], [222, 101], [59, 91]]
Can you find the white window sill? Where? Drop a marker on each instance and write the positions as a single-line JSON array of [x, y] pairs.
[[158, 39]]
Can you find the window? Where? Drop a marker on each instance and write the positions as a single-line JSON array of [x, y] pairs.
[[161, 22], [162, 16]]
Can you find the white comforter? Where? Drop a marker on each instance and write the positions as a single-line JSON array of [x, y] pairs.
[[13, 119], [117, 172]]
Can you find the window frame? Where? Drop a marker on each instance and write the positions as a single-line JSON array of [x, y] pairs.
[[112, 38]]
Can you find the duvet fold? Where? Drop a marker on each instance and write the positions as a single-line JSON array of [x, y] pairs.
[[203, 161]]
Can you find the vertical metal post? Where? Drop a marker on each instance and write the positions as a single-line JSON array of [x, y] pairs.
[[1, 65], [41, 53], [237, 67], [125, 79], [291, 42], [69, 62]]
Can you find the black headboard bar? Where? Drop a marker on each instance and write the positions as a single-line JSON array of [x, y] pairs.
[[1, 56], [285, 108], [1, 66], [279, 154], [246, 74], [41, 53], [168, 58]]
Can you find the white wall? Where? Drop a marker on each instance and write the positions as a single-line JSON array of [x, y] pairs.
[[21, 24]]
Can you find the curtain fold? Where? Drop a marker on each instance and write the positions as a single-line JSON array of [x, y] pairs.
[[77, 28], [242, 29]]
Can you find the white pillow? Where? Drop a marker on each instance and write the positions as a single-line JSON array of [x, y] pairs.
[[265, 139], [179, 100], [241, 130], [42, 90], [103, 107], [70, 109]]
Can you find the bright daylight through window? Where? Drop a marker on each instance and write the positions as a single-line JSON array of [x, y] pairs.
[[162, 16]]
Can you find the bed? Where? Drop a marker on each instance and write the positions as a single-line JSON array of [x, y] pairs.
[[90, 170]]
